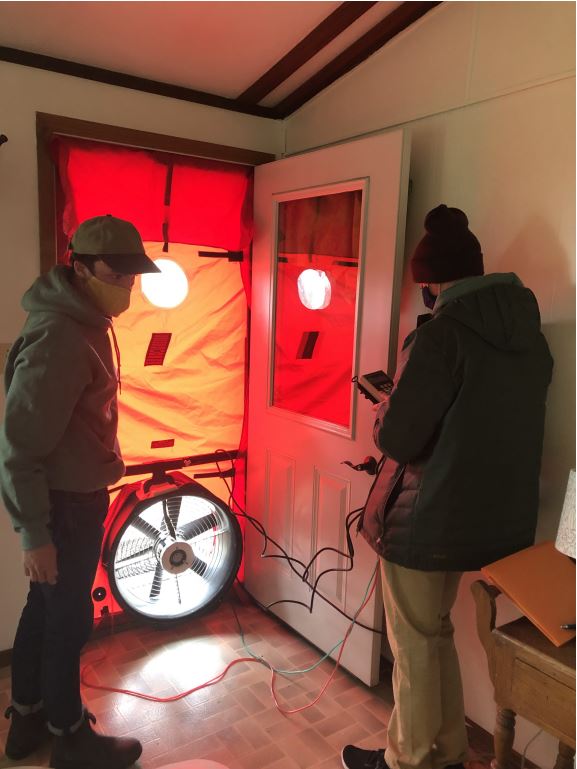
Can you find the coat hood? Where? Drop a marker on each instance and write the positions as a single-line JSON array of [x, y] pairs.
[[497, 307], [55, 293]]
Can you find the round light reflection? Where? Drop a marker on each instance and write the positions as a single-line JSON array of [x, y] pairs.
[[167, 288], [314, 289]]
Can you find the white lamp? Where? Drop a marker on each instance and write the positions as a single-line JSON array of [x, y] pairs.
[[565, 541]]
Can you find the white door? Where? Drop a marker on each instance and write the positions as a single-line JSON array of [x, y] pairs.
[[337, 213]]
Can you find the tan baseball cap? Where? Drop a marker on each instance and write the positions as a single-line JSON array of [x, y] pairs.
[[115, 241]]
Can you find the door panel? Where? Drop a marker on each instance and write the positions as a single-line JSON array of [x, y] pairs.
[[338, 212]]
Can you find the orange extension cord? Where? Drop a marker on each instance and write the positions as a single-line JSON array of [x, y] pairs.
[[219, 677]]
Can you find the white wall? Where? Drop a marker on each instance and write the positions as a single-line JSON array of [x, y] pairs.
[[23, 92], [487, 91]]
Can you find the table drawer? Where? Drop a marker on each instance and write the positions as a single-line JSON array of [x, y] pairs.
[[544, 700]]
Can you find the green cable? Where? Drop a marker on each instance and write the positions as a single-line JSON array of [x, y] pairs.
[[323, 658]]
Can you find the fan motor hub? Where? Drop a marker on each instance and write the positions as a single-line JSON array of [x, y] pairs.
[[176, 556]]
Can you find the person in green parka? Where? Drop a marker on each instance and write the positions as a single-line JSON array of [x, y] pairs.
[[58, 454], [462, 433]]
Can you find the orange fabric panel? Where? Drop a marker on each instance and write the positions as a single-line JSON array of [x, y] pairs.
[[196, 397]]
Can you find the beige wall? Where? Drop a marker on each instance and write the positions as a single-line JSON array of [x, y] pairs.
[[486, 90], [23, 92]]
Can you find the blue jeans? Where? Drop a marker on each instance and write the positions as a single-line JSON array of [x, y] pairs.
[[57, 619]]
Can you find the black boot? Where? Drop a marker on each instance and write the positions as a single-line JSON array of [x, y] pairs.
[[86, 749], [26, 733]]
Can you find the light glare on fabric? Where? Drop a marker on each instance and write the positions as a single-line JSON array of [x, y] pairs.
[[169, 288], [314, 289]]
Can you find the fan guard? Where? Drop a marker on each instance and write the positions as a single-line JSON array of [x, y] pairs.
[[175, 556]]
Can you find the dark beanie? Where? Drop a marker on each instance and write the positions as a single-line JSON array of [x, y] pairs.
[[448, 250]]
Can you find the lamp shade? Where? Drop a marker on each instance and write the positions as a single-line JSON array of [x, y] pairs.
[[565, 541]]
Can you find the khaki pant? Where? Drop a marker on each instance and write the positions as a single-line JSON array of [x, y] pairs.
[[427, 726]]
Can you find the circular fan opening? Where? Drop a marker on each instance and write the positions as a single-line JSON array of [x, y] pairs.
[[175, 557]]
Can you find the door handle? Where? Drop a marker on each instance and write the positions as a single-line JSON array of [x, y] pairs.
[[369, 465]]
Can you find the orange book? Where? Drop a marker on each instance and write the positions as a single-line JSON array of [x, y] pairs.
[[541, 582]]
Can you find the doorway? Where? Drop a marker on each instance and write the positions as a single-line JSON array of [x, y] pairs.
[[183, 360]]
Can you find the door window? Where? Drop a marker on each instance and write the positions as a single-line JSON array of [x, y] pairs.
[[316, 286]]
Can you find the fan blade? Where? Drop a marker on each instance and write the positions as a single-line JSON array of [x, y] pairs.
[[156, 582], [172, 507], [135, 555], [199, 526], [199, 566], [145, 528]]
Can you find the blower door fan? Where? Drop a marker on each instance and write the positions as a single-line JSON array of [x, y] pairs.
[[176, 555]]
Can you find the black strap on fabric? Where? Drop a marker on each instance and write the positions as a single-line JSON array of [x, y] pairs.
[[167, 195], [232, 256]]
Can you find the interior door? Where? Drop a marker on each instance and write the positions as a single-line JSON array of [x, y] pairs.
[[337, 214]]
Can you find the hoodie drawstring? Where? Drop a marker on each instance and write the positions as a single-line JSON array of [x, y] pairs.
[[117, 352]]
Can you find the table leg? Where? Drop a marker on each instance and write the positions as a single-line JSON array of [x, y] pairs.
[[504, 738], [565, 757]]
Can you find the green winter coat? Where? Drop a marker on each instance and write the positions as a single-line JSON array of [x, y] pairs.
[[463, 431], [60, 424]]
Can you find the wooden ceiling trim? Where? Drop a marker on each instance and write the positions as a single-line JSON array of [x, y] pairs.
[[87, 72], [335, 23], [398, 20]]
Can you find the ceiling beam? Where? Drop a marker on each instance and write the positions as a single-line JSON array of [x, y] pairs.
[[65, 67], [381, 33], [335, 23], [398, 20]]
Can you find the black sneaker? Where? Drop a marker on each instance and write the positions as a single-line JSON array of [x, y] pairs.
[[86, 749], [358, 758], [26, 733]]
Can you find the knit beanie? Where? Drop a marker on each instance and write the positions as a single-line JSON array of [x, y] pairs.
[[448, 250]]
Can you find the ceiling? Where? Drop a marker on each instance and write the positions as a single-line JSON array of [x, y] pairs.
[[264, 58]]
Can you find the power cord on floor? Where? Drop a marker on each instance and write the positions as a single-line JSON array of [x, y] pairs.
[[254, 659]]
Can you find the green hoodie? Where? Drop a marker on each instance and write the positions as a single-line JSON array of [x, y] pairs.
[[60, 424]]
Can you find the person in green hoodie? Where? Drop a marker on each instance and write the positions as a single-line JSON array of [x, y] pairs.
[[58, 454], [462, 432]]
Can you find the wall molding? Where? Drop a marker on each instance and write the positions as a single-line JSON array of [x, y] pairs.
[[121, 79]]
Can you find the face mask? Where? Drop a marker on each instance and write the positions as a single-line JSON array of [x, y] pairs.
[[110, 300], [429, 299]]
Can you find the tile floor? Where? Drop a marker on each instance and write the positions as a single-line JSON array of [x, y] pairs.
[[234, 722]]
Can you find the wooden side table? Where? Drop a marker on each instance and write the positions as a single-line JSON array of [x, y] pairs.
[[532, 678]]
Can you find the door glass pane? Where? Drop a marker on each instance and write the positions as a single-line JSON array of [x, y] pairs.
[[317, 263]]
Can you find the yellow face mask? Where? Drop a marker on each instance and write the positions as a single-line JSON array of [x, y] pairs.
[[110, 300]]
